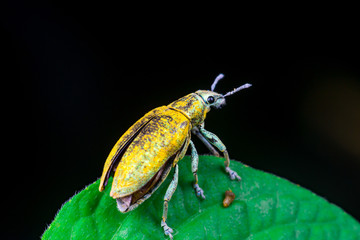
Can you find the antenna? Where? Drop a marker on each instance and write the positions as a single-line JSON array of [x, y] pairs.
[[247, 85], [217, 79]]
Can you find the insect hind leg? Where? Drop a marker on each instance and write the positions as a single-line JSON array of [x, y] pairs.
[[169, 192]]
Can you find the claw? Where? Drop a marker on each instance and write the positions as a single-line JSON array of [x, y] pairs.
[[167, 230], [233, 175], [199, 191]]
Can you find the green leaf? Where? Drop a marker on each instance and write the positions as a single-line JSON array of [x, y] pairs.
[[265, 207]]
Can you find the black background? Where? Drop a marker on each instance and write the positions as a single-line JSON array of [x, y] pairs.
[[77, 75]]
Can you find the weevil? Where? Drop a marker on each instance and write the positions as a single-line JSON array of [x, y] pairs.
[[143, 157]]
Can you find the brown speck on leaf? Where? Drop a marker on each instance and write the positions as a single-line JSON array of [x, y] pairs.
[[229, 198]]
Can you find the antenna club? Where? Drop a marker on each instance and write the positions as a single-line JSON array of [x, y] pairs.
[[220, 75]]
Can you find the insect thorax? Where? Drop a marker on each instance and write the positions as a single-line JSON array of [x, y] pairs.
[[192, 106]]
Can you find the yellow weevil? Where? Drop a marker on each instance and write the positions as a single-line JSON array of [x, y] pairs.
[[143, 157]]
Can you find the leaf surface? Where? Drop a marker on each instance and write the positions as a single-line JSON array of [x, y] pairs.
[[265, 207]]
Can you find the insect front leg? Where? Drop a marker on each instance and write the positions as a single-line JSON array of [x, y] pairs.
[[194, 168], [169, 192], [214, 140], [196, 131]]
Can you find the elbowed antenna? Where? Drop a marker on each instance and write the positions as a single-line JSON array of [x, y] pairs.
[[217, 79], [246, 85]]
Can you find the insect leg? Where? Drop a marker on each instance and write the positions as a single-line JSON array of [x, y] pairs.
[[215, 140], [169, 192], [194, 168], [196, 131]]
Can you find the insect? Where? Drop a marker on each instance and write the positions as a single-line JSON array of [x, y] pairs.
[[229, 198], [143, 157]]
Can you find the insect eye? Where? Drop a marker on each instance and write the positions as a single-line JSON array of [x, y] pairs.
[[210, 99]]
